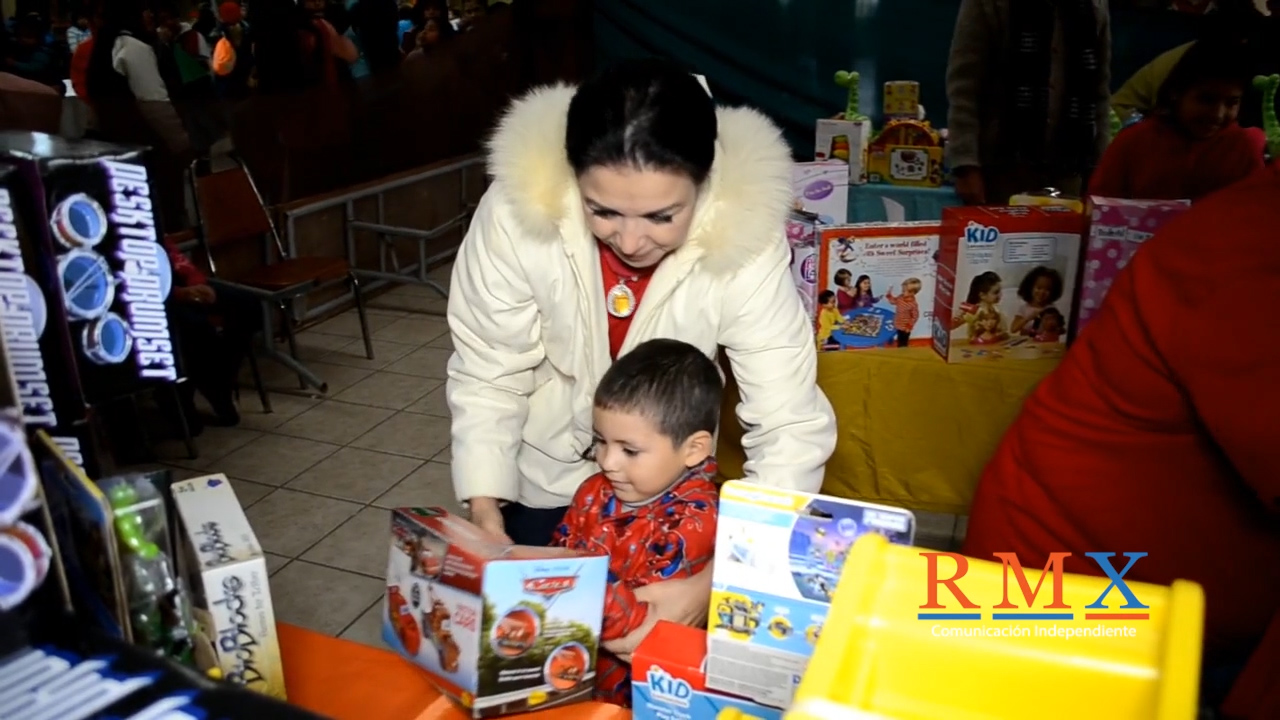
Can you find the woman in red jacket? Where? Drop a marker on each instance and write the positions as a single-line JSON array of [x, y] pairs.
[[1160, 433], [1192, 146]]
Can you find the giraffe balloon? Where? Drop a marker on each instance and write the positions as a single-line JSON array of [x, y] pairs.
[[847, 79]]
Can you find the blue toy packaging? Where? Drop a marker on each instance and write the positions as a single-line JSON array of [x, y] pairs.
[[668, 680], [500, 628], [779, 554]]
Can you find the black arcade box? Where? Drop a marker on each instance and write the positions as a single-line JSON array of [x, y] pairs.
[[89, 239]]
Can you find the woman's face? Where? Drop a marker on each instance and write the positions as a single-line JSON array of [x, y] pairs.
[[641, 214]]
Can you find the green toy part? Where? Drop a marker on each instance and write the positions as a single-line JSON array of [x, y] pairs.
[[847, 79], [1267, 85], [130, 527], [1116, 124]]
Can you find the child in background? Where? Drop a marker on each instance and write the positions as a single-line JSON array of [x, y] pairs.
[[78, 33], [829, 318], [1039, 290], [652, 506], [844, 290], [1193, 145], [908, 310]]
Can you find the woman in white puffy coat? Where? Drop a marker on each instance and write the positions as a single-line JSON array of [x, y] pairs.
[[629, 209]]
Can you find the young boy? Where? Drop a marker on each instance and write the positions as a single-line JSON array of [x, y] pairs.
[[653, 505], [829, 318]]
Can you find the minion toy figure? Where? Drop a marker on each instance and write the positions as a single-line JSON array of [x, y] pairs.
[[780, 628], [738, 614]]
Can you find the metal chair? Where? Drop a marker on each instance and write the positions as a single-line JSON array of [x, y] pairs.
[[230, 210]]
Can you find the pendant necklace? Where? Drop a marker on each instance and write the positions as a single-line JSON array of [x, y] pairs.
[[620, 301]]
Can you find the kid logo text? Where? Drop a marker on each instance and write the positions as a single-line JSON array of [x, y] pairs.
[[975, 234], [959, 607], [665, 688]]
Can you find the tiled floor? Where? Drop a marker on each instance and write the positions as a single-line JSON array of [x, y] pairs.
[[318, 475]]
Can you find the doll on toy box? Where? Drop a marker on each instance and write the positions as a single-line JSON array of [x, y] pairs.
[[1006, 277], [875, 285]]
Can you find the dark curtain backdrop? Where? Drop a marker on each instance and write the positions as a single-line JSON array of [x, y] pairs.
[[780, 55]]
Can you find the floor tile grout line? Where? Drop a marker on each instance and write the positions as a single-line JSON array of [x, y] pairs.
[[381, 599]]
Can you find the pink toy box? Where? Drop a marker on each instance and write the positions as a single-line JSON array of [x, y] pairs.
[[1117, 227], [802, 235]]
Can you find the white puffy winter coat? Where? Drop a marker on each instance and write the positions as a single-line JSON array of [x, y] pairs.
[[530, 330]]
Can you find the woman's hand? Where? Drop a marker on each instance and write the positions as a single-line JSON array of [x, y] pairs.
[[683, 601], [486, 514]]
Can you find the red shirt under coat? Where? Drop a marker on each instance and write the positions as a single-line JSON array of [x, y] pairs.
[[1153, 160], [613, 270], [1160, 431]]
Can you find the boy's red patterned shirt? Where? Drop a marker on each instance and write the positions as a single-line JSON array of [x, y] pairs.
[[672, 536]]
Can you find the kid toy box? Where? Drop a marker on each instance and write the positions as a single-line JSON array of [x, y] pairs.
[[501, 628], [1116, 229], [1006, 277], [779, 554], [668, 680], [821, 188], [877, 281]]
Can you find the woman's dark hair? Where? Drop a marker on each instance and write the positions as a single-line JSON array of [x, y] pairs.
[[376, 24], [980, 284], [669, 382], [1028, 284], [647, 114], [1207, 60], [282, 59], [119, 17]]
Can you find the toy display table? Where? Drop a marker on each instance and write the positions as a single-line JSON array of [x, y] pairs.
[[878, 202], [914, 431], [348, 681]]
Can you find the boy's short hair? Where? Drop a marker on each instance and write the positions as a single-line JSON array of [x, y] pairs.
[[668, 381], [825, 297]]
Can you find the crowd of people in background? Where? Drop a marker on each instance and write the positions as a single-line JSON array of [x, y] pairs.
[[156, 75]]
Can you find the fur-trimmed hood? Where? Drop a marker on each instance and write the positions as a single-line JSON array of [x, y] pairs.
[[741, 212]]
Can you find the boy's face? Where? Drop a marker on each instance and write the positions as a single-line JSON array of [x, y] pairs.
[[639, 461]]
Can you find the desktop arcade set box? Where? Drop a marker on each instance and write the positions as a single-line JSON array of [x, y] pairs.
[[779, 555], [91, 241], [500, 628]]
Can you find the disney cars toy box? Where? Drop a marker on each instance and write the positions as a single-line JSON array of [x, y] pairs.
[[500, 628], [779, 554]]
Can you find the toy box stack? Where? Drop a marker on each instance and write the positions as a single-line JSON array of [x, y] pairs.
[[877, 280], [821, 188], [668, 680], [500, 628], [225, 567], [1006, 277], [802, 235], [844, 141], [779, 554], [1116, 229]]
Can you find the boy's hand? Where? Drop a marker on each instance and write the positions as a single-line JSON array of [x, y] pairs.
[[486, 514]]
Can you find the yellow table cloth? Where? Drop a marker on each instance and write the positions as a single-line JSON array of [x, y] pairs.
[[914, 431]]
